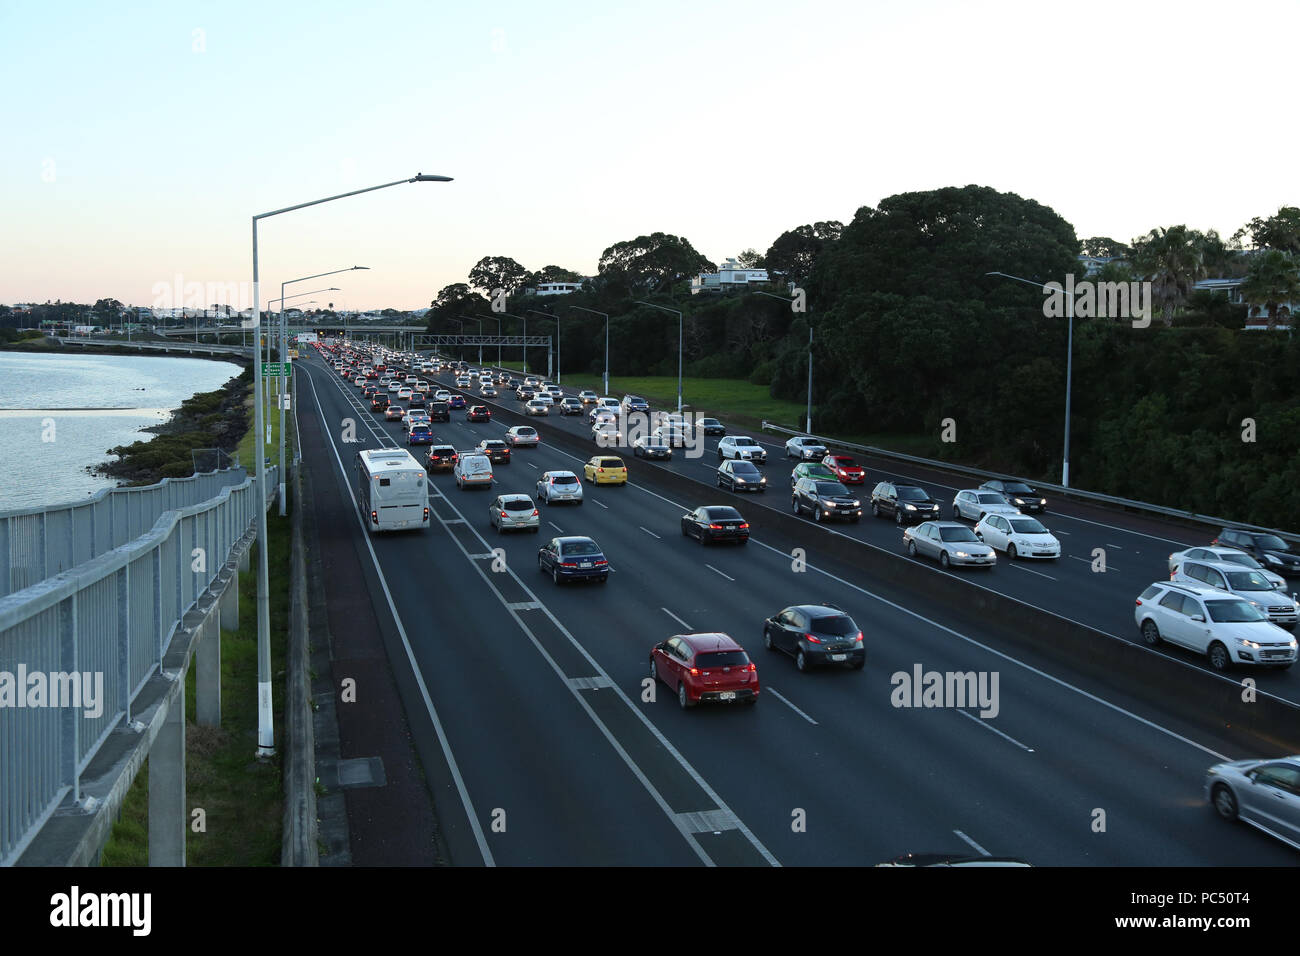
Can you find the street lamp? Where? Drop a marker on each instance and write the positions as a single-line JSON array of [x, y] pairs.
[[284, 358], [808, 422], [679, 347], [1069, 365], [473, 318], [265, 714], [594, 312], [557, 345], [524, 319]]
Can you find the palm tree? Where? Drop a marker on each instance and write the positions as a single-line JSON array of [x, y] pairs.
[[1273, 280], [1172, 260]]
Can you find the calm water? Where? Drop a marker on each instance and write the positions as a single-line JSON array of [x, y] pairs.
[[59, 414]]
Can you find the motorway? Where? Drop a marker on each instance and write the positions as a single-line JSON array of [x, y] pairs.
[[533, 694]]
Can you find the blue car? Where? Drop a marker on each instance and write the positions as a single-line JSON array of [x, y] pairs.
[[419, 435], [457, 401], [573, 558]]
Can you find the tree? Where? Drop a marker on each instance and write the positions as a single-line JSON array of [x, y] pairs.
[[1281, 231], [1272, 281], [451, 301], [1172, 260], [1104, 247], [497, 272], [750, 259], [652, 263], [551, 274], [107, 310], [795, 251]]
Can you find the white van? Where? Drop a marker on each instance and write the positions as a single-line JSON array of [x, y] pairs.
[[392, 492]]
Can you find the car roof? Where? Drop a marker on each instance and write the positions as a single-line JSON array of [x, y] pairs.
[[559, 474], [513, 496], [710, 641], [1197, 590], [575, 539], [1223, 565]]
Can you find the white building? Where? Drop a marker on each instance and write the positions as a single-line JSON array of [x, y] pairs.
[[1256, 315], [732, 275], [557, 288]]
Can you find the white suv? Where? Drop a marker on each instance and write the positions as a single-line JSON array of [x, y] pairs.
[[1225, 628], [806, 449], [1248, 585], [742, 447]]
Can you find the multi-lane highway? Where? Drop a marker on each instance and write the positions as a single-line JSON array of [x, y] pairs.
[[533, 695]]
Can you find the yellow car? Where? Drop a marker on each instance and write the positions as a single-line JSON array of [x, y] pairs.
[[604, 470]]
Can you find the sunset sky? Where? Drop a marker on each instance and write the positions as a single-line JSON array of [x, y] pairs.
[[140, 138]]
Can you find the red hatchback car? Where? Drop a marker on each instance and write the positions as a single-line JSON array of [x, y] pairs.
[[705, 667], [846, 469]]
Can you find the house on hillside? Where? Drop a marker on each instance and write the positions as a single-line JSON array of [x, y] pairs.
[[730, 276], [1256, 315]]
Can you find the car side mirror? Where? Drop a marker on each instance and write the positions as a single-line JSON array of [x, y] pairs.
[[1199, 617]]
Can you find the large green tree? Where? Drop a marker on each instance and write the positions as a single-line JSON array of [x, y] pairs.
[[794, 252], [651, 263], [497, 272], [1273, 281], [1104, 247], [1173, 260], [1280, 231]]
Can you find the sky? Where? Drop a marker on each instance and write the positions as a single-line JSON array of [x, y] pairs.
[[139, 139]]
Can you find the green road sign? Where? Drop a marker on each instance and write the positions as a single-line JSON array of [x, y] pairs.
[[276, 369]]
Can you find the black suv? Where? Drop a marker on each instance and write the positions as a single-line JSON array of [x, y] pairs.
[[1268, 549], [815, 635], [439, 412], [1017, 493], [907, 503], [825, 499]]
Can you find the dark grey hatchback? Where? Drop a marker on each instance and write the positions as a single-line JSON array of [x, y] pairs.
[[816, 635]]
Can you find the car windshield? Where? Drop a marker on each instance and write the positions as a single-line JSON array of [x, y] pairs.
[[519, 504], [721, 514], [1271, 542], [494, 443], [745, 442], [1027, 526], [579, 548], [1248, 581], [1017, 488], [912, 494], [1243, 559], [710, 422], [721, 659], [526, 432], [564, 480], [991, 498], [744, 468], [1233, 612], [610, 463], [843, 462], [839, 625], [957, 534], [831, 488]]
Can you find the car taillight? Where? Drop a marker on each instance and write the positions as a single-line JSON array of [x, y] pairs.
[[814, 640], [535, 512], [695, 672], [569, 564], [752, 668], [1138, 601], [599, 560], [744, 524], [374, 517], [859, 637], [715, 527], [426, 514], [504, 515]]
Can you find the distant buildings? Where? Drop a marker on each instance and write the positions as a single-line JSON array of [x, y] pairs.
[[730, 276], [1256, 315], [557, 288]]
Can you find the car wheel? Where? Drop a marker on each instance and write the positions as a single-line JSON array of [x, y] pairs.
[[911, 549], [1225, 802], [767, 640], [703, 540], [1150, 633], [555, 575], [1219, 657], [794, 505], [819, 515], [654, 671], [898, 516], [1011, 552], [541, 565], [800, 661], [943, 558], [875, 510], [682, 697]]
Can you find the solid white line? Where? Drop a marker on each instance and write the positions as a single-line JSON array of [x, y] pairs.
[[1061, 532], [1115, 546], [605, 506], [987, 726], [410, 654], [716, 571], [1029, 571], [556, 526], [979, 849], [676, 618], [649, 532], [790, 705], [531, 465]]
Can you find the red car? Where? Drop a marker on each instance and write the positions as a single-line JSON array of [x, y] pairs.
[[479, 413], [705, 667], [846, 469]]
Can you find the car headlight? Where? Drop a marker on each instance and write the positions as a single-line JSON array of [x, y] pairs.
[[855, 504], [740, 481], [910, 507], [1244, 642], [1271, 559], [1019, 501], [962, 554], [1042, 501]]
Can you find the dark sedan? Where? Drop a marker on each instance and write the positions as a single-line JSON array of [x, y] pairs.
[[479, 413], [736, 474], [816, 635], [906, 504], [715, 523], [1017, 493], [573, 558]]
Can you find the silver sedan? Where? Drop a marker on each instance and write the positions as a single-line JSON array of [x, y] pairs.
[[1263, 793], [949, 543]]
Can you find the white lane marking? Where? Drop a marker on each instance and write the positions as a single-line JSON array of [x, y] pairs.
[[1115, 546], [987, 726], [790, 705], [1029, 571], [658, 735], [978, 849], [649, 532], [556, 526], [603, 505], [716, 571], [461, 790], [1061, 532], [531, 465], [676, 618]]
